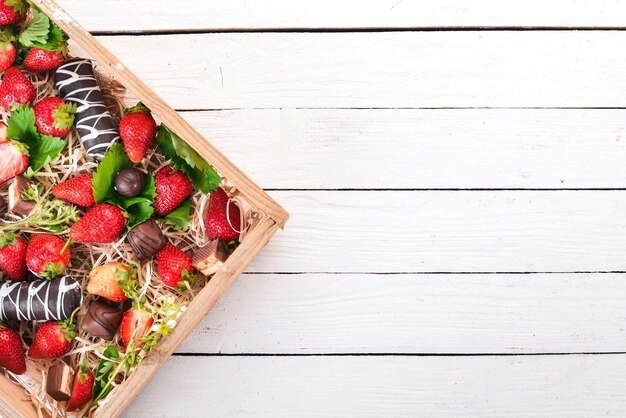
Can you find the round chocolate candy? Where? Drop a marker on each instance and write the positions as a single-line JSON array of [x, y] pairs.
[[130, 182]]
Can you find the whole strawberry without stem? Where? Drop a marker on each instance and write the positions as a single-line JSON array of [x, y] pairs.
[[135, 325], [47, 255], [223, 220], [175, 267], [78, 190], [53, 339], [82, 390], [138, 130], [103, 224], [12, 12], [38, 60], [54, 117], [104, 281], [172, 189], [13, 256], [11, 351], [16, 88]]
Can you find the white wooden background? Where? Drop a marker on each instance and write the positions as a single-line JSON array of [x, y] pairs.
[[456, 177]]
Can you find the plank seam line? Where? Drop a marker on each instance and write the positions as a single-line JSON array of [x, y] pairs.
[[574, 353], [450, 189], [365, 29], [400, 273], [230, 109]]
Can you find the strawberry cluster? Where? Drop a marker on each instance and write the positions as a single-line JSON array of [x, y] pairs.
[[123, 198]]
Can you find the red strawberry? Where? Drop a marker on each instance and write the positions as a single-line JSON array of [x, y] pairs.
[[16, 88], [38, 60], [103, 224], [12, 12], [217, 223], [11, 351], [53, 340], [103, 281], [172, 188], [174, 267], [137, 130], [82, 390], [13, 161], [7, 55], [54, 117], [13, 256], [47, 255], [78, 190], [132, 320]]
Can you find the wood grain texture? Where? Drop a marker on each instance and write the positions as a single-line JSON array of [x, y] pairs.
[[422, 148], [371, 386], [449, 231], [366, 313], [158, 15], [389, 69]]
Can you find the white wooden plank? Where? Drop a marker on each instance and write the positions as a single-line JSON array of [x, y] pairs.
[[321, 313], [536, 386], [270, 14], [420, 148], [435, 231], [392, 69]]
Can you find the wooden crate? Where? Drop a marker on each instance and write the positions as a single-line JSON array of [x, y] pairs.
[[12, 400]]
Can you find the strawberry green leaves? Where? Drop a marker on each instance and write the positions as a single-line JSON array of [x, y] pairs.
[[113, 162], [139, 208], [179, 217], [102, 385], [43, 33], [184, 158], [41, 149]]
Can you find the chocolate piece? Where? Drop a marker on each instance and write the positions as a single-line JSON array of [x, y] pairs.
[[60, 381], [17, 204], [3, 206], [130, 182], [39, 300], [76, 82], [210, 258], [102, 320], [146, 239]]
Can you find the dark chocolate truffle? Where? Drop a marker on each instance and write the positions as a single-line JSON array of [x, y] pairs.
[[60, 381], [146, 239], [130, 182], [102, 320]]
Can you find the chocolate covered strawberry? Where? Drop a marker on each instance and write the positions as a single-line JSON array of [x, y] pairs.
[[135, 325], [12, 12], [175, 267], [38, 60], [11, 351], [103, 224], [138, 130], [172, 189], [47, 255], [13, 160], [16, 88], [104, 281], [78, 190], [54, 117], [13, 256], [53, 340], [223, 220], [82, 389]]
